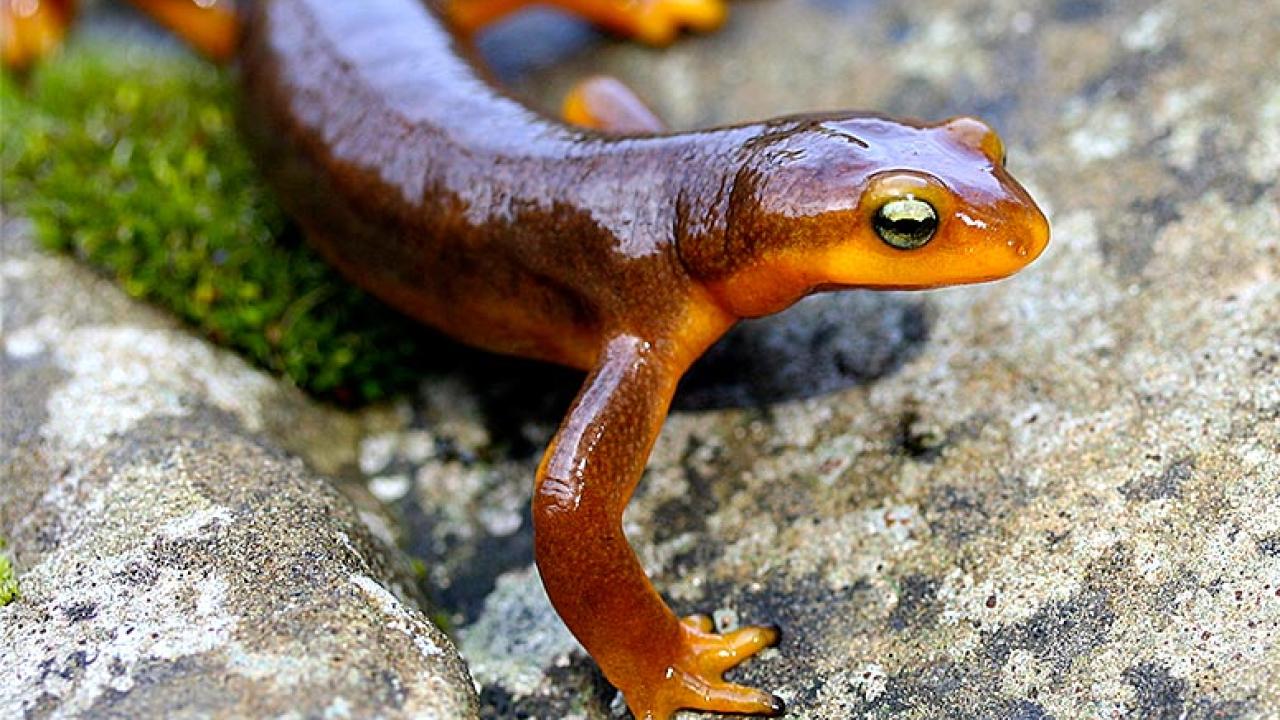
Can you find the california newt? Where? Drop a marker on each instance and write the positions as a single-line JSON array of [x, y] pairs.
[[608, 245]]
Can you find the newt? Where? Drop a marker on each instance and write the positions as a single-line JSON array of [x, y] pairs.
[[608, 244]]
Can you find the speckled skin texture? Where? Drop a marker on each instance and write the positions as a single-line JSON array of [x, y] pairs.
[[171, 561]]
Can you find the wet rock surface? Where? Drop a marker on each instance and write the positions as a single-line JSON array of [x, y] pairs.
[[172, 560], [1056, 496]]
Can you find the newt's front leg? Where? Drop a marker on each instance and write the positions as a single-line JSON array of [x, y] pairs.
[[592, 576]]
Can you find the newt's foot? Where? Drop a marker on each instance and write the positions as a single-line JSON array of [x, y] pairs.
[[604, 103], [694, 681], [658, 22]]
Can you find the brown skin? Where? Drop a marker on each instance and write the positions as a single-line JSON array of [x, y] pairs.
[[619, 250]]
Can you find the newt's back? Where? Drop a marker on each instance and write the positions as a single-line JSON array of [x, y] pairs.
[[451, 201]]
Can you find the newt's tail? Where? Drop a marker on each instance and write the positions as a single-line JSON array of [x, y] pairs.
[[31, 29]]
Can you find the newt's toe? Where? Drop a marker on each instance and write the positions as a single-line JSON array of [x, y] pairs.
[[739, 645], [728, 697]]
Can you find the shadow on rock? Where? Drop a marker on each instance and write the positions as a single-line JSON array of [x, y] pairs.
[[822, 345]]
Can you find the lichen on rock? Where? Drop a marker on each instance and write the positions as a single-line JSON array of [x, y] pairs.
[[175, 559]]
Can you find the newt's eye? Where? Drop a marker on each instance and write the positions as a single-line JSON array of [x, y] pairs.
[[906, 223]]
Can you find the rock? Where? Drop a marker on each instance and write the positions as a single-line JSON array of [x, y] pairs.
[[173, 561], [1055, 496]]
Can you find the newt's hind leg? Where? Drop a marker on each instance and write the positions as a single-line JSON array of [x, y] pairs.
[[209, 27], [604, 103], [656, 22], [31, 29]]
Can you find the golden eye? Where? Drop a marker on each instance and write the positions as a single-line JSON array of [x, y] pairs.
[[906, 223]]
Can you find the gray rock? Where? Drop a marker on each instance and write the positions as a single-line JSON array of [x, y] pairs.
[[173, 561]]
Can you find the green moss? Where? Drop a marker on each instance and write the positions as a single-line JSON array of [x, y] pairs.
[[128, 158], [441, 619], [8, 580]]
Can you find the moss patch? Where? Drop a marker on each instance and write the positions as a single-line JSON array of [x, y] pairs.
[[128, 158], [8, 580]]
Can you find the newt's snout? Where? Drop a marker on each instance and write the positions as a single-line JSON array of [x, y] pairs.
[[997, 203], [1002, 241], [869, 202]]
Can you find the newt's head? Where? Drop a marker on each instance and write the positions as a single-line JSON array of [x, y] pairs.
[[866, 202]]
